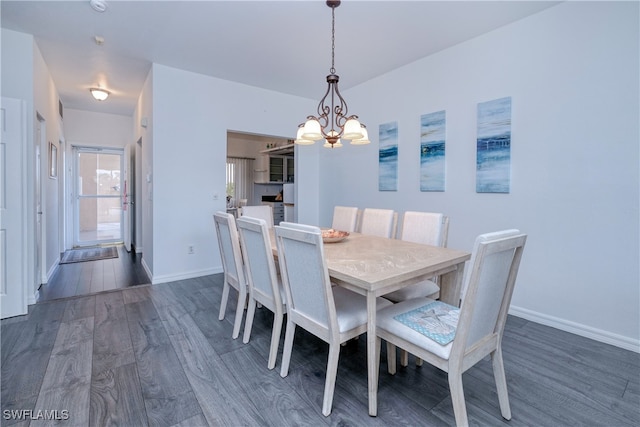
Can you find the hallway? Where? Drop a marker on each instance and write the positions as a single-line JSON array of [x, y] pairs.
[[84, 278]]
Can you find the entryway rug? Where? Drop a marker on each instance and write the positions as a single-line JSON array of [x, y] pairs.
[[89, 254]]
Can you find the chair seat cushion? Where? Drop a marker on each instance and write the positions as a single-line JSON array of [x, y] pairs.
[[426, 288], [386, 321], [351, 308]]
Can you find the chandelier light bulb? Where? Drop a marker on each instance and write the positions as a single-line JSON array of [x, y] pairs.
[[299, 138], [364, 140], [352, 130]]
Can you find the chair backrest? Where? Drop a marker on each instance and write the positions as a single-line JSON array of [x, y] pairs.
[[345, 218], [261, 211], [242, 203], [488, 285], [230, 250], [425, 227], [305, 278], [262, 276], [379, 222]]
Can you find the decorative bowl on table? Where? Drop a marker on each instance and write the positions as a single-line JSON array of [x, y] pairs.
[[334, 236]]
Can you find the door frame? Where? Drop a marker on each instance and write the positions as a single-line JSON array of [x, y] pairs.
[[75, 206]]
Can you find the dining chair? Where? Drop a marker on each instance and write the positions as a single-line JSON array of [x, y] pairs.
[[426, 228], [260, 211], [263, 281], [379, 222], [455, 339], [333, 314], [345, 218], [232, 266]]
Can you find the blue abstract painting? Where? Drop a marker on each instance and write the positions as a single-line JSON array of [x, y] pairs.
[[493, 146], [432, 140], [388, 157]]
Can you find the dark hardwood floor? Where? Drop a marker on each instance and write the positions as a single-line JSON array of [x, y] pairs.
[[158, 355], [83, 278]]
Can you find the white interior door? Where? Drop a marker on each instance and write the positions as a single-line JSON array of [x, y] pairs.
[[12, 271]]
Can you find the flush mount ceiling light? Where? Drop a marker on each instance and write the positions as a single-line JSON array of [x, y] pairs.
[[99, 93], [333, 121]]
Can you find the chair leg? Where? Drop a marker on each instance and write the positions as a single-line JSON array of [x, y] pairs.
[[457, 398], [223, 302], [248, 323], [242, 298], [501, 383], [404, 358], [288, 347], [391, 358], [275, 340], [418, 361], [330, 380]]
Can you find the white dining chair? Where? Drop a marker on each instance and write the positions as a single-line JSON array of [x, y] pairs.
[[345, 218], [263, 281], [232, 266], [455, 339], [426, 228], [333, 314], [379, 222], [260, 211]]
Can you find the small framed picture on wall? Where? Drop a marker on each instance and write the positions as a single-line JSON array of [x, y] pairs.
[[53, 161]]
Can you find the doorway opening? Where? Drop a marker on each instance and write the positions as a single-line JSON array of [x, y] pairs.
[[98, 215]]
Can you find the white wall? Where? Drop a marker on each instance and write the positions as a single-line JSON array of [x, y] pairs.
[[46, 104], [191, 116], [91, 129], [572, 72], [143, 135]]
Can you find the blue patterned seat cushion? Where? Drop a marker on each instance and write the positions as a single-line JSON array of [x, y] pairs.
[[436, 320]]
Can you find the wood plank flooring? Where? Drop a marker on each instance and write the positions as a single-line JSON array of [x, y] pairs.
[[82, 278], [158, 355]]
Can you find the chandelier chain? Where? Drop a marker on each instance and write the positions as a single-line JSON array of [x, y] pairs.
[[333, 39]]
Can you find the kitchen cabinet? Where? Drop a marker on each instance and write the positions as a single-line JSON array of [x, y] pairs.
[[281, 169], [261, 169], [277, 209]]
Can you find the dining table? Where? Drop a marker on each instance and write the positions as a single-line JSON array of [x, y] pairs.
[[373, 266]]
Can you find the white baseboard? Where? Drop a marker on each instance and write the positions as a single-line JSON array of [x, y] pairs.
[[576, 328], [53, 269], [185, 275], [147, 270], [33, 299]]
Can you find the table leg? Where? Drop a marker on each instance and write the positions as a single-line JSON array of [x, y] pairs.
[[371, 354], [451, 285]]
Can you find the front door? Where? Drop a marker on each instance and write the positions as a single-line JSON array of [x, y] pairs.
[[12, 239], [98, 202]]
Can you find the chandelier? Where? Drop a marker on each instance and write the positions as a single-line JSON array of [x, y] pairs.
[[333, 121]]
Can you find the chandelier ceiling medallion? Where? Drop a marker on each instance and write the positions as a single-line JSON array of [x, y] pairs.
[[333, 120]]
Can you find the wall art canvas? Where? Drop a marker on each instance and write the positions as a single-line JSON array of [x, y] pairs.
[[388, 157], [493, 146], [432, 141]]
